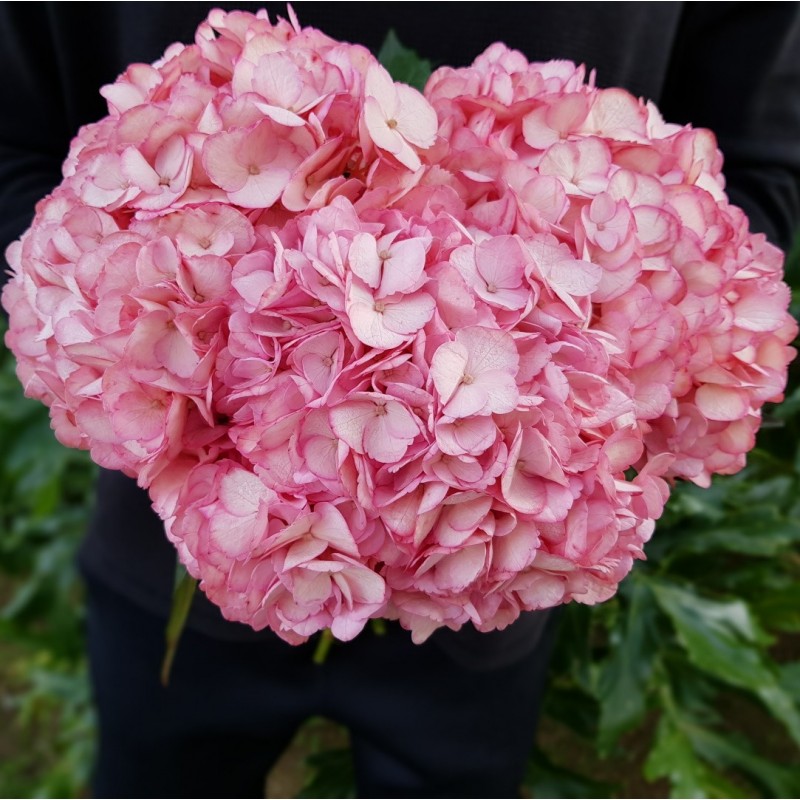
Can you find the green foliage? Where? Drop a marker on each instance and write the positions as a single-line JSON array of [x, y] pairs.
[[55, 722], [547, 779], [403, 64], [622, 679], [331, 774], [44, 496]]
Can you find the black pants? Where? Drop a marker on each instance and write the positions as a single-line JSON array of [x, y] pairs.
[[421, 726]]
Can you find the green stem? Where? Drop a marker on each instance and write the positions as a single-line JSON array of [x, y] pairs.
[[182, 596], [323, 645], [378, 626]]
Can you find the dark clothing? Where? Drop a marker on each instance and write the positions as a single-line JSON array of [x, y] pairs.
[[734, 67], [418, 727]]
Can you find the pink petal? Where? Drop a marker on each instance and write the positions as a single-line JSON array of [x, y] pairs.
[[409, 313], [447, 369], [242, 493], [416, 119], [364, 259], [457, 571], [721, 402], [470, 435]]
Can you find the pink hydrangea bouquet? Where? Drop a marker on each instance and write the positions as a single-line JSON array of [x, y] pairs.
[[374, 353]]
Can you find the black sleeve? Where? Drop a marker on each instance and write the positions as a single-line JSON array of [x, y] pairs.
[[34, 133], [736, 70]]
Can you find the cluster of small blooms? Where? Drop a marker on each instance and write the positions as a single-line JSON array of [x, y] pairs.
[[375, 353]]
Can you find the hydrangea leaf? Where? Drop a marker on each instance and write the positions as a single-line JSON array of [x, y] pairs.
[[623, 678], [404, 64], [780, 607], [673, 757], [730, 752], [723, 639], [754, 537], [544, 778]]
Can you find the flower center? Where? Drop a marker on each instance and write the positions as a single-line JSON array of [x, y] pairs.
[[468, 379], [254, 170], [391, 123], [380, 306]]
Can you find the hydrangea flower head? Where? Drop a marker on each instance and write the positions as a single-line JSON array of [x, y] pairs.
[[374, 353]]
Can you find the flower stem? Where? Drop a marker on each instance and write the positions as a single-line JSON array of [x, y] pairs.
[[323, 646], [182, 596]]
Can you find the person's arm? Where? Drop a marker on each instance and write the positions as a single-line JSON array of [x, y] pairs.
[[736, 70], [33, 129]]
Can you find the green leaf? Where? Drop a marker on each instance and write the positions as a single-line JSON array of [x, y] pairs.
[[673, 757], [751, 578], [724, 623], [789, 676], [22, 598], [749, 537], [402, 63], [780, 608], [723, 639], [543, 778], [623, 678], [688, 500], [332, 774], [728, 752]]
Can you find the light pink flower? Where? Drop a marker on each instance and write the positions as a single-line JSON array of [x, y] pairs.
[[386, 322], [321, 582], [534, 481], [398, 119], [475, 374], [254, 165], [375, 425], [164, 181], [495, 269]]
